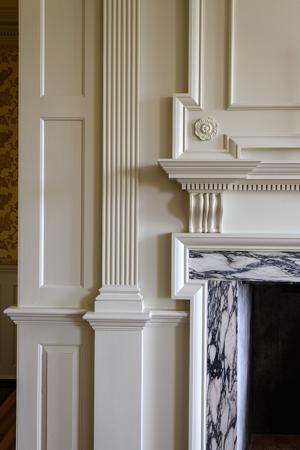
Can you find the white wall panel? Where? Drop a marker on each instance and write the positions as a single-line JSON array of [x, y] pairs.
[[59, 396], [265, 50], [165, 374], [163, 206], [261, 212], [62, 34], [55, 380], [59, 152], [61, 203]]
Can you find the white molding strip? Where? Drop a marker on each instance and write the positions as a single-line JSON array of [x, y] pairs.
[[136, 321], [36, 316], [117, 321], [168, 318], [121, 22], [193, 100]]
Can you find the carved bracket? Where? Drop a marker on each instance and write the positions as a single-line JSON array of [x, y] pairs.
[[205, 212]]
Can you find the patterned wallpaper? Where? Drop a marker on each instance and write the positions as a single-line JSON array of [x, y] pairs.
[[8, 154]]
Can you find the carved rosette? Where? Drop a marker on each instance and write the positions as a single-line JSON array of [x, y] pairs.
[[206, 129]]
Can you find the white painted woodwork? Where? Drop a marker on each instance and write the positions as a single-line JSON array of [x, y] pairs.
[[55, 375], [118, 380], [265, 68], [243, 98], [120, 372], [165, 372], [120, 158], [138, 382], [8, 336], [205, 212], [59, 152], [61, 185], [59, 402], [62, 47]]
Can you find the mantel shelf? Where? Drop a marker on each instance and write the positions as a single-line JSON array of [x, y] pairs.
[[230, 174]]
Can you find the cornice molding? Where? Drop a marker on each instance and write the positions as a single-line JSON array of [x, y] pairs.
[[219, 175], [38, 316]]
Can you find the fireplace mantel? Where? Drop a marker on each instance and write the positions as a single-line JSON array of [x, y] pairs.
[[196, 291]]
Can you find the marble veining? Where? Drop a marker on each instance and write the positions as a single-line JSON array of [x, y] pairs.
[[245, 265], [222, 365]]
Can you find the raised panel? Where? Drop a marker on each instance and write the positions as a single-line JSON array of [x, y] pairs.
[[58, 397], [61, 244], [62, 39], [243, 76], [265, 53]]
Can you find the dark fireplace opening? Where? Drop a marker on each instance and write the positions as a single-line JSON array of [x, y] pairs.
[[276, 359], [273, 417]]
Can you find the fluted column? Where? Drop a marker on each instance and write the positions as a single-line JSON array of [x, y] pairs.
[[119, 319], [120, 156]]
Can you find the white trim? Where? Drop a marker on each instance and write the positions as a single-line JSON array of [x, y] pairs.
[[37, 316], [168, 318], [196, 292], [184, 103], [132, 321], [199, 241], [117, 321], [193, 100], [119, 298], [232, 171]]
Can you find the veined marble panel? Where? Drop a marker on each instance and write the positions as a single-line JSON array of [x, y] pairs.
[[245, 265], [222, 365]]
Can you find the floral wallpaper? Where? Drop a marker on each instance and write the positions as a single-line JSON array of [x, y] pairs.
[[8, 154]]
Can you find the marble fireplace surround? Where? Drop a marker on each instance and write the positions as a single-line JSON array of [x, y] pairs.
[[217, 268]]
